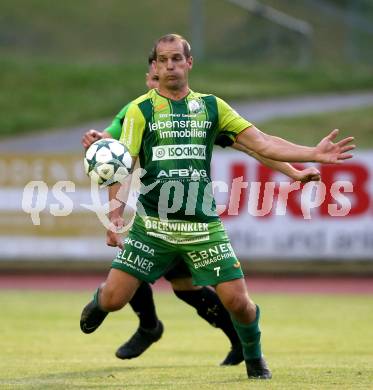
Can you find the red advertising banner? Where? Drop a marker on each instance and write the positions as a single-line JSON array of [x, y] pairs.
[[48, 209]]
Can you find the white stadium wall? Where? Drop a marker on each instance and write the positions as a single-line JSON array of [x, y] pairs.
[[55, 216]]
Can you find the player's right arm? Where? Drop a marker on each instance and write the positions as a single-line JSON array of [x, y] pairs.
[[116, 209], [118, 195], [131, 137]]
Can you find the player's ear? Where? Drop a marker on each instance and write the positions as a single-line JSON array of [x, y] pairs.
[[154, 66], [190, 62]]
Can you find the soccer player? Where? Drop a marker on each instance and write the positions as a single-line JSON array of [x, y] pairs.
[[203, 299], [172, 130]]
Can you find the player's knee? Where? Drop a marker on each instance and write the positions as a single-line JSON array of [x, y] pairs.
[[110, 300], [239, 305], [236, 304], [114, 305]]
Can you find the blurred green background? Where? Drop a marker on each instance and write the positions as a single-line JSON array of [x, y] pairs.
[[68, 63], [64, 63]]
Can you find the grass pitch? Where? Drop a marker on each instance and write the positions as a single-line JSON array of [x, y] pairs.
[[311, 342]]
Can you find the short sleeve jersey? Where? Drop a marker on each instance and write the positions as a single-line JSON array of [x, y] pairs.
[[174, 142], [115, 127]]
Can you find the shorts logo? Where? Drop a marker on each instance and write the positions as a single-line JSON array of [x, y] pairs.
[[179, 152], [139, 245], [212, 255], [134, 261]]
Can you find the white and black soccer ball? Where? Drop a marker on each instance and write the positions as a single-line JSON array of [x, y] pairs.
[[107, 161]]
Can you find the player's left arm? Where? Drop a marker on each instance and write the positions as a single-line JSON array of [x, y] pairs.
[[275, 148], [303, 175], [279, 149]]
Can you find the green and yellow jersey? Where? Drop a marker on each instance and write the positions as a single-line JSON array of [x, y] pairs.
[[174, 142]]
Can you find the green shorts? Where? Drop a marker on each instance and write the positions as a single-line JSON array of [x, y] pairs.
[[178, 271], [153, 247]]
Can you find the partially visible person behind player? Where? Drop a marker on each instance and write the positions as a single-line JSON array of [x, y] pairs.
[[203, 299]]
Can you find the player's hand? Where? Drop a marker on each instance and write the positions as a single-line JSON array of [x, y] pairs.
[[113, 237], [307, 175], [89, 137], [333, 153]]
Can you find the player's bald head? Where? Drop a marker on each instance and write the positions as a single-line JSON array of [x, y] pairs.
[[169, 38]]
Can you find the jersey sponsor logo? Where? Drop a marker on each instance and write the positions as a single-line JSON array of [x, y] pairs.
[[176, 226], [193, 174], [160, 107], [180, 124], [139, 245], [183, 133], [179, 152]]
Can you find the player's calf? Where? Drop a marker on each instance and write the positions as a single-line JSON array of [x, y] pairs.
[[110, 300], [245, 317], [118, 290], [209, 307], [250, 335], [92, 316]]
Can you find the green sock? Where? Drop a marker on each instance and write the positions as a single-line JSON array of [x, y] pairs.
[[249, 335], [95, 297], [96, 300]]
